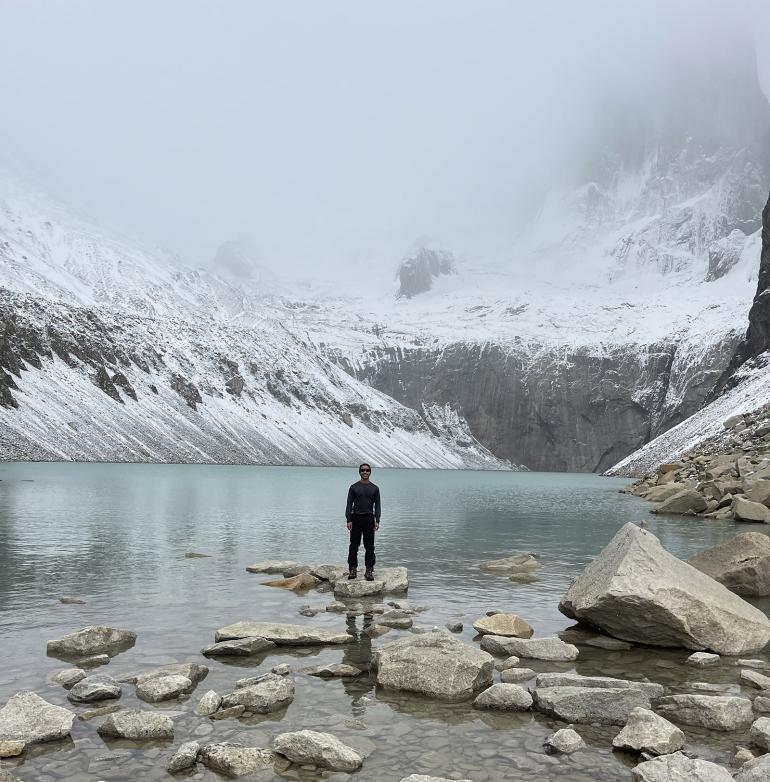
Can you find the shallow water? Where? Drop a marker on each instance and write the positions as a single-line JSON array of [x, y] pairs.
[[116, 535]]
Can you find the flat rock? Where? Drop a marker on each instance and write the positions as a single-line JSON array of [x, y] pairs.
[[551, 648], [163, 688], [703, 659], [208, 704], [322, 750], [235, 760], [757, 770], [746, 510], [238, 647], [358, 588], [95, 688], [71, 600], [271, 694], [589, 705], [68, 677], [137, 725], [504, 697], [679, 768], [635, 590], [92, 640], [760, 733], [424, 778], [512, 564], [755, 679], [507, 625], [396, 579], [334, 671], [652, 689], [272, 566], [565, 741], [298, 583], [742, 564], [715, 712], [515, 675], [648, 732], [433, 664], [282, 634], [398, 620], [184, 757], [27, 717], [193, 671]]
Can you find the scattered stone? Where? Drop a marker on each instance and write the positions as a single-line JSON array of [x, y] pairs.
[[515, 675], [184, 757], [507, 625], [11, 749], [358, 588], [72, 601], [454, 626], [755, 679], [196, 555], [687, 501], [192, 671], [329, 572], [715, 712], [300, 583], [235, 760], [95, 688], [674, 604], [282, 634], [163, 688], [68, 677], [508, 662], [333, 671], [208, 704], [337, 607], [297, 570], [27, 717], [92, 640], [760, 733], [273, 693], [742, 564], [504, 697], [647, 732], [322, 750], [137, 725], [746, 510], [651, 689], [433, 664], [551, 648], [424, 778], [284, 669], [240, 647], [94, 661], [703, 659], [565, 741], [756, 770], [762, 704], [679, 768], [232, 712], [511, 565], [608, 706], [272, 566], [99, 711], [395, 619]]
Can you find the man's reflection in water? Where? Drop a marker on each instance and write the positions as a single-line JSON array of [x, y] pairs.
[[359, 655]]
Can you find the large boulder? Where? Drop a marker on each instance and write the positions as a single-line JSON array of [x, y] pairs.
[[272, 693], [742, 564], [687, 501], [679, 768], [635, 590], [715, 712], [509, 625], [664, 492], [652, 689], [604, 706], [282, 634], [235, 760], [746, 510], [322, 750], [27, 717], [433, 664], [648, 732], [137, 725], [92, 640], [550, 648]]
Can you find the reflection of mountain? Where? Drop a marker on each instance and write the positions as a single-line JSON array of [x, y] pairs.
[[622, 309]]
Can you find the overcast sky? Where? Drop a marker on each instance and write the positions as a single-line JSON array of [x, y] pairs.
[[336, 133]]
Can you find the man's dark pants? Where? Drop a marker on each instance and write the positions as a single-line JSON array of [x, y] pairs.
[[363, 527]]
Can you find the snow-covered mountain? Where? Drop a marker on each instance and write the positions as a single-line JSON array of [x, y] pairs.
[[609, 324]]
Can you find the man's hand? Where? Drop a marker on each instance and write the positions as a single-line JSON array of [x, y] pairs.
[[376, 525], [350, 526]]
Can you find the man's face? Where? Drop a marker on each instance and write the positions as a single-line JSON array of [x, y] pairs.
[[365, 472]]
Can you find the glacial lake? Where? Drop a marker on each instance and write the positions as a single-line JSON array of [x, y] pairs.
[[116, 535]]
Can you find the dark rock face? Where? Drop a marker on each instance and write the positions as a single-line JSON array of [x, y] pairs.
[[187, 390], [416, 273]]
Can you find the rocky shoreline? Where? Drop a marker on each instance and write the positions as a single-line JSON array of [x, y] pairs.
[[634, 596]]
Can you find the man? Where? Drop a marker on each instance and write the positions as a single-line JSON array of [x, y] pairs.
[[362, 514]]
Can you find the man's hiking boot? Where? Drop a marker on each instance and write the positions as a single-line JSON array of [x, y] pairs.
[[352, 574], [369, 575]]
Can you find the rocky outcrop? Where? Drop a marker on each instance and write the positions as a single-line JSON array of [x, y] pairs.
[[635, 590], [417, 272], [742, 564]]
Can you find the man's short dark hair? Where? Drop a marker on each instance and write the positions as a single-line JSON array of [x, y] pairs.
[[365, 464]]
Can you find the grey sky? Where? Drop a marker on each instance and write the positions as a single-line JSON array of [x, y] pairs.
[[336, 133]]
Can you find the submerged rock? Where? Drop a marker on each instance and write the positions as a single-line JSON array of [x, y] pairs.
[[715, 712], [703, 659], [27, 717], [282, 634], [742, 564], [589, 705], [137, 725], [322, 750], [508, 625], [679, 768], [68, 677], [512, 565], [565, 741], [551, 648], [515, 675], [648, 732], [635, 590], [433, 664], [299, 583], [92, 640], [652, 689]]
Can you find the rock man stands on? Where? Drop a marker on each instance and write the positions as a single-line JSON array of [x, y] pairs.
[[362, 514]]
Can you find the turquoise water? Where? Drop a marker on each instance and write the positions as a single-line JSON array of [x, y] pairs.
[[116, 536]]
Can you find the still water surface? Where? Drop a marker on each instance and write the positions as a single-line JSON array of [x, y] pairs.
[[116, 535]]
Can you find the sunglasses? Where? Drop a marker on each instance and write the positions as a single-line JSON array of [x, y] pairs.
[[364, 470]]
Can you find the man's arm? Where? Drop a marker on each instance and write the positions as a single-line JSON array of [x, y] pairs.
[[377, 505], [349, 506]]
